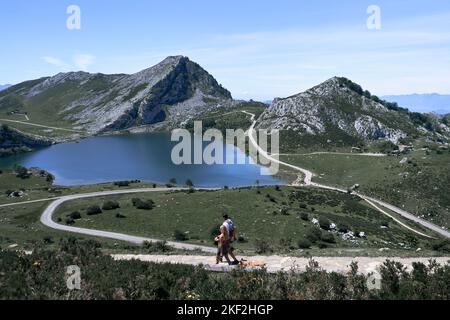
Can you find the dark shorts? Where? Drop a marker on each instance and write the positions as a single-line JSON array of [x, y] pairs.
[[224, 249]]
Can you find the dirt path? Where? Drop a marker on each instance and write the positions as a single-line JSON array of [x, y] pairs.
[[42, 126], [331, 153], [279, 263], [308, 175]]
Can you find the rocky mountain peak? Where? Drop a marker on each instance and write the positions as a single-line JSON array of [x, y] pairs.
[[101, 102], [339, 106]]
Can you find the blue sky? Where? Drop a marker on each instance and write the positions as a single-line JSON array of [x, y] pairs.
[[256, 49]]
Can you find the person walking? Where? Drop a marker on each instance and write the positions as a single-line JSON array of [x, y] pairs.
[[230, 229], [223, 245]]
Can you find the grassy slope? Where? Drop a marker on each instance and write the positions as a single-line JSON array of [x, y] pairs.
[[20, 224], [257, 217], [420, 185], [230, 118]]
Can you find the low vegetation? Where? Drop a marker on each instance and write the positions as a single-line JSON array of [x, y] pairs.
[[42, 275], [269, 220]]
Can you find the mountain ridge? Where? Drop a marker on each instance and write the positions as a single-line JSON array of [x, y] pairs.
[[341, 106], [100, 102]]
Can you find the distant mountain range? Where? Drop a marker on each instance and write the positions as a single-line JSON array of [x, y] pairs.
[[432, 102], [4, 86]]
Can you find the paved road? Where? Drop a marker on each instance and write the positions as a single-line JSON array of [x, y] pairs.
[[46, 219], [332, 153], [279, 263], [308, 175]]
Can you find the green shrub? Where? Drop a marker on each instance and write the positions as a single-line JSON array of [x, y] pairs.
[[304, 216], [143, 204], [93, 210], [180, 236], [75, 215], [22, 172], [48, 240], [241, 239], [262, 246], [304, 244], [29, 277], [324, 223], [441, 245], [328, 237], [122, 183], [156, 247], [343, 228], [313, 234], [110, 205], [120, 216]]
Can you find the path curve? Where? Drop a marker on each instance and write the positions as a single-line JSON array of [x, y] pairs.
[[332, 153], [42, 126], [308, 175], [46, 219]]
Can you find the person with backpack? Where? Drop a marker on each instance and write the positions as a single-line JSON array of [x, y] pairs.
[[230, 228]]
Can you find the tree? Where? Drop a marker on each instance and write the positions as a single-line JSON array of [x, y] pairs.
[[173, 181], [49, 178], [189, 183], [22, 172]]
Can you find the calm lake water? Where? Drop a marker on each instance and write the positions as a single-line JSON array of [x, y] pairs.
[[145, 157]]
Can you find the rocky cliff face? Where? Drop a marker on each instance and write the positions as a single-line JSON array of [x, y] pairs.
[[12, 138], [98, 102], [341, 106]]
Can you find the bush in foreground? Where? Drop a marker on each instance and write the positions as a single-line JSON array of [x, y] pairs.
[[42, 275], [104, 278]]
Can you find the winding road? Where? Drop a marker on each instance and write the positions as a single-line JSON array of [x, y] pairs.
[[308, 175], [46, 217], [47, 220]]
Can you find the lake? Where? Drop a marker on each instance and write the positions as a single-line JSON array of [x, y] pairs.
[[145, 157]]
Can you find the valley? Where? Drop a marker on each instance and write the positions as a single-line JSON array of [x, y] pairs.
[[335, 135]]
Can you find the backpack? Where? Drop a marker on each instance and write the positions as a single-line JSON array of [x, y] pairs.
[[231, 228]]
